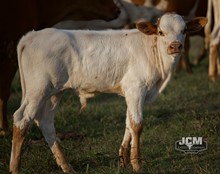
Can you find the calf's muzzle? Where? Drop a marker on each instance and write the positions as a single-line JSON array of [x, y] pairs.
[[175, 47]]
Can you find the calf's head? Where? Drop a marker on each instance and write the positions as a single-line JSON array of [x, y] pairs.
[[171, 30]]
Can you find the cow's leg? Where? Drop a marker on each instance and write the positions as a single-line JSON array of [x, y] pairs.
[[4, 128], [218, 59], [23, 118], [125, 145], [31, 105], [213, 62], [135, 100], [184, 63], [201, 56], [17, 143], [19, 133], [135, 129], [45, 121], [8, 68]]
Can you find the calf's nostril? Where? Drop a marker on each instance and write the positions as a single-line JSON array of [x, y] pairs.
[[171, 46], [180, 46]]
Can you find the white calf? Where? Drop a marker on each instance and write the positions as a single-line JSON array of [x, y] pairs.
[[136, 64]]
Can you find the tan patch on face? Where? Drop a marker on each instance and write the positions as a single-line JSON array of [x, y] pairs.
[[138, 2]]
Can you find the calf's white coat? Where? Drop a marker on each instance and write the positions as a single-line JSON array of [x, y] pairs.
[[136, 64]]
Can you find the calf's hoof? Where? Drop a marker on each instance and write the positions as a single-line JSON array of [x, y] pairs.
[[71, 172], [123, 157], [213, 78], [68, 169], [136, 166]]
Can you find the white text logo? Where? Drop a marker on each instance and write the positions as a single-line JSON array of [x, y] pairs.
[[191, 144]]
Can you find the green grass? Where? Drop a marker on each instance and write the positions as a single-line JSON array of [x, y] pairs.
[[189, 106]]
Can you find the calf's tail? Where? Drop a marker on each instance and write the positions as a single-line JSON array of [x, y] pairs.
[[20, 49]]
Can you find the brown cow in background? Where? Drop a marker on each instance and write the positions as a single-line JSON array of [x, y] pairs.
[[20, 16]]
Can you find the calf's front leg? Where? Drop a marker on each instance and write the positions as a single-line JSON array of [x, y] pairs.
[[135, 130], [135, 100], [125, 145]]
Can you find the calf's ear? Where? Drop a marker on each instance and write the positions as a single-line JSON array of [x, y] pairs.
[[147, 28], [196, 24]]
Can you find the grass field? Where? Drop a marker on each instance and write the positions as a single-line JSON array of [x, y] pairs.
[[189, 106]]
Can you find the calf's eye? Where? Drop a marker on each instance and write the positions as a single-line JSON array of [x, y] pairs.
[[160, 33]]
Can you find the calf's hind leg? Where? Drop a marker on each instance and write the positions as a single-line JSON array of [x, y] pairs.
[[23, 118], [45, 121]]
